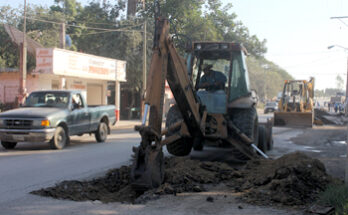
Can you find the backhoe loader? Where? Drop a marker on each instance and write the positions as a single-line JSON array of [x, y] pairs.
[[222, 117], [295, 107]]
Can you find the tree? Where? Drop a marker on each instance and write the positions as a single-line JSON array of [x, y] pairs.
[[339, 82], [266, 77]]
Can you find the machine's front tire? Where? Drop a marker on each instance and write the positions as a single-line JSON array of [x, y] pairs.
[[183, 146], [8, 145]]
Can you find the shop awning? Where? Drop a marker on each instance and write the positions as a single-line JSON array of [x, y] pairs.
[[17, 37]]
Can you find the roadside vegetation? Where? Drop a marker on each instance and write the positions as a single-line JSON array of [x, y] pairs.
[[336, 195]]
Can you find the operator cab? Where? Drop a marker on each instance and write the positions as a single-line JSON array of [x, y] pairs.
[[223, 58]]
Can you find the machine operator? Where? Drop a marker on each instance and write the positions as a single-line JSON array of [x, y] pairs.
[[212, 80]]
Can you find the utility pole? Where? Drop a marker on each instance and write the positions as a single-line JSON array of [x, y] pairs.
[[346, 114], [345, 108], [144, 66], [62, 36], [131, 8], [23, 60]]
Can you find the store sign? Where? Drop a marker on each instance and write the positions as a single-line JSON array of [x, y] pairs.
[[75, 64], [121, 70], [44, 60]]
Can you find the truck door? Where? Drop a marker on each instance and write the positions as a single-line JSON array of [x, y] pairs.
[[79, 116]]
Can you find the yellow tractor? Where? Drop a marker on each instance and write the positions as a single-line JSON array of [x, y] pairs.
[[295, 107]]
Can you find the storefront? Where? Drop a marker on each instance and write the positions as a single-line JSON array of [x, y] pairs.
[[61, 69]]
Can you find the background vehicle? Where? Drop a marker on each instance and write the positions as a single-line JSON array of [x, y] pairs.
[[53, 116], [295, 107], [270, 107], [221, 117]]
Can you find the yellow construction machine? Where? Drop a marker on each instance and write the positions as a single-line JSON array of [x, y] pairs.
[[223, 117], [295, 107]]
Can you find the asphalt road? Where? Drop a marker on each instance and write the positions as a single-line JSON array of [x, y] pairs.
[[32, 166]]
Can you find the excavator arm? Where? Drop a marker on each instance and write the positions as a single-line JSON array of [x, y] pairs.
[[166, 64]]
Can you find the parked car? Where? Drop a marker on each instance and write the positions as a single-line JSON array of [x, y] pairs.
[[53, 116], [270, 107]]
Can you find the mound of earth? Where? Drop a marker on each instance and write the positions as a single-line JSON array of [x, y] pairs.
[[328, 118], [294, 179]]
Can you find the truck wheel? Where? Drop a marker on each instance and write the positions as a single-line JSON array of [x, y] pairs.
[[8, 145], [183, 146], [262, 143], [60, 139], [102, 132]]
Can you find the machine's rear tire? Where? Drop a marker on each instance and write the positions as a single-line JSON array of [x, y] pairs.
[[247, 121], [262, 143], [183, 146], [198, 144], [8, 145], [269, 139]]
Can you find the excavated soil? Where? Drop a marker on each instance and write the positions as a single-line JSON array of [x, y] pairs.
[[321, 117], [294, 179]]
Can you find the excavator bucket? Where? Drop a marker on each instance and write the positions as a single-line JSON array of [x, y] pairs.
[[148, 165], [148, 168], [293, 119]]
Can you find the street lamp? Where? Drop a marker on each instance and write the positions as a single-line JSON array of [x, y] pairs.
[[345, 113], [265, 67], [345, 102]]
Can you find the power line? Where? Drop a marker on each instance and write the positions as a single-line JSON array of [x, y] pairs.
[[298, 53], [93, 23], [322, 60], [87, 27], [340, 19]]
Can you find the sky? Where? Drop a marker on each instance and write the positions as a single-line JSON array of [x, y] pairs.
[[298, 33]]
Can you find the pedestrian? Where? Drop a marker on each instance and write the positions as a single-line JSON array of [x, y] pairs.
[[329, 106], [336, 107]]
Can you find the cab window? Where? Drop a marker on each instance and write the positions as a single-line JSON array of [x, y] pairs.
[[77, 101]]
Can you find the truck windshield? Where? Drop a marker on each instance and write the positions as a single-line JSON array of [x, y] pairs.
[[47, 99]]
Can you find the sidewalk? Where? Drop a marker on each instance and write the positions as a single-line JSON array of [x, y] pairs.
[[125, 124]]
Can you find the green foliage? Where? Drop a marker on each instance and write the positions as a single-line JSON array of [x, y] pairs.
[[266, 77], [336, 195], [207, 20], [339, 82], [328, 92], [319, 93]]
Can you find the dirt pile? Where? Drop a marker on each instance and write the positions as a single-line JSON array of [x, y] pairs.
[[181, 175], [293, 179], [327, 118], [113, 187]]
